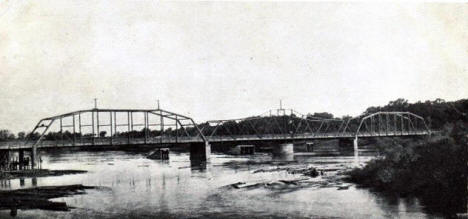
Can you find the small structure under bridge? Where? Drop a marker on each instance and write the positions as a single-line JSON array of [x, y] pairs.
[[157, 127]]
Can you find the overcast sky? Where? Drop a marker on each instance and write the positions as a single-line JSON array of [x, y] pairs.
[[219, 60]]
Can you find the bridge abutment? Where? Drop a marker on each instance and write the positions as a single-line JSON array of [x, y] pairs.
[[200, 151]]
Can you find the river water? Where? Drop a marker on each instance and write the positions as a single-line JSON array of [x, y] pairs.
[[131, 186]]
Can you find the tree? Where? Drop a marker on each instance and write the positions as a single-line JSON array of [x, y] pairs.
[[33, 136], [323, 115], [102, 134], [6, 135], [21, 135]]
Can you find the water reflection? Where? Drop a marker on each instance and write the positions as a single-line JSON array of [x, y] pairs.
[[198, 165], [283, 157], [139, 187]]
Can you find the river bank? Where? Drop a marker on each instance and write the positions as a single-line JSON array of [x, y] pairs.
[[38, 198], [433, 170]]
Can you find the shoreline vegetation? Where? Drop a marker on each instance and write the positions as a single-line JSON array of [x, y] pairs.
[[433, 169]]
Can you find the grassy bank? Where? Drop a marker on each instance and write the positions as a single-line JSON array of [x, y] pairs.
[[433, 169]]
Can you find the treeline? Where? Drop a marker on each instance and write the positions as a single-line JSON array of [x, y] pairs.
[[67, 135], [437, 113]]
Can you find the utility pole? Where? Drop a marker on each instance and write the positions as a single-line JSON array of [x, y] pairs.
[[158, 103], [95, 103]]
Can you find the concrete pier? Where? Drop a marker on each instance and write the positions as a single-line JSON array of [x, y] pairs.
[[200, 151], [283, 151]]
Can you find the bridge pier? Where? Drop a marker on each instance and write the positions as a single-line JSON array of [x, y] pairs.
[[200, 151], [284, 151]]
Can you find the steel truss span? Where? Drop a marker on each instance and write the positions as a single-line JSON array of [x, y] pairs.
[[289, 124], [103, 127], [114, 127]]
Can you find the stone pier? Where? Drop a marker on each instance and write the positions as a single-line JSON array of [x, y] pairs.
[[200, 151]]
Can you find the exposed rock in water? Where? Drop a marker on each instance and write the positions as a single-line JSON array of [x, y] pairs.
[[311, 172], [270, 170], [343, 187]]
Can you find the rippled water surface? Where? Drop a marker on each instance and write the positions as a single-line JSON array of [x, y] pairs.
[[131, 186]]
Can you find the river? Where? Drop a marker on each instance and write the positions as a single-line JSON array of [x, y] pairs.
[[131, 186]]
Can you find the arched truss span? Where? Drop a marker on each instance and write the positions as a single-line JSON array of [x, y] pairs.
[[392, 124], [114, 127]]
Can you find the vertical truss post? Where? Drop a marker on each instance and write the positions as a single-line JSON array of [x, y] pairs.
[[177, 129], [379, 116], [394, 124], [401, 119], [386, 122], [131, 121], [97, 123], [61, 130], [145, 117], [162, 129], [74, 132], [115, 124], [92, 125], [128, 127], [416, 126], [409, 124], [110, 126], [79, 127]]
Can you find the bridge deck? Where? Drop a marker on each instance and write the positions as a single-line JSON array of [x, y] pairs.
[[90, 142]]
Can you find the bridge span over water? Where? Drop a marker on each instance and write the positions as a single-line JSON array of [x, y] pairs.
[[133, 127]]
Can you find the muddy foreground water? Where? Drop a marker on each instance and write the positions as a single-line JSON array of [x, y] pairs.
[[130, 186]]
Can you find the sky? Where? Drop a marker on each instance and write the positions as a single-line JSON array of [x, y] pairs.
[[221, 60]]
